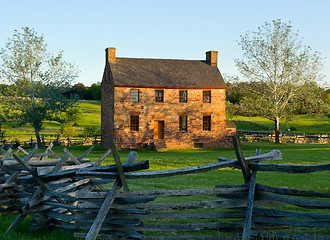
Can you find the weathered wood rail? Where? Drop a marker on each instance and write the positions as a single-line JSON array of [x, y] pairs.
[[24, 191], [266, 136], [72, 196], [45, 142]]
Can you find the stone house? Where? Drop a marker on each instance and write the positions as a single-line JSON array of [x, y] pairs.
[[164, 103]]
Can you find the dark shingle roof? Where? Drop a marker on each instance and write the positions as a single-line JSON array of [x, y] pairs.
[[166, 73]]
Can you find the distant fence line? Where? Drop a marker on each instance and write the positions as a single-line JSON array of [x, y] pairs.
[[246, 136], [260, 136], [46, 142]]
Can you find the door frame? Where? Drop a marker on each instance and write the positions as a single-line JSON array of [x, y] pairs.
[[159, 126]]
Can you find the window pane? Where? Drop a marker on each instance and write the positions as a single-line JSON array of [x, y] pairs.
[[183, 96], [134, 123], [159, 95], [206, 96], [134, 95], [183, 123], [207, 123]]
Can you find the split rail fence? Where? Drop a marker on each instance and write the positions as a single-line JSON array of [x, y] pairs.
[[69, 194], [259, 136]]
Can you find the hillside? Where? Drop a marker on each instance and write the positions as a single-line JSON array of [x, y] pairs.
[[91, 117], [299, 124]]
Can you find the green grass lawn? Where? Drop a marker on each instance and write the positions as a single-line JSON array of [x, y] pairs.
[[309, 124], [172, 159], [91, 113], [91, 116]]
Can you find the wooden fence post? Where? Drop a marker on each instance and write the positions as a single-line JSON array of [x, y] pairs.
[[249, 207], [241, 160], [96, 227], [119, 165]]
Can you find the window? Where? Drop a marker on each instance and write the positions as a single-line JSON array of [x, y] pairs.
[[206, 123], [159, 96], [134, 95], [183, 122], [134, 123], [206, 96], [183, 96]]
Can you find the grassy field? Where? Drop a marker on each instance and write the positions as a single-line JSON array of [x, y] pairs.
[[171, 159], [299, 124], [91, 116]]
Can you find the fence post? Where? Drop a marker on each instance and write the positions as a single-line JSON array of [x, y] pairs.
[[118, 164], [249, 207], [241, 160]]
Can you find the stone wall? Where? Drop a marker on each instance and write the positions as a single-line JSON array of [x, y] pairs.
[[169, 111], [107, 107]]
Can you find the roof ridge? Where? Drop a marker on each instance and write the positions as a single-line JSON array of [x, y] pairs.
[[162, 59]]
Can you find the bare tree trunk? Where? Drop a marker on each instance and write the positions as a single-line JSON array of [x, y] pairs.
[[277, 130], [36, 130]]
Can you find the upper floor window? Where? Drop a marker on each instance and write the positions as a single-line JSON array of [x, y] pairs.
[[206, 96], [159, 96], [183, 96], [134, 95], [206, 123], [183, 123], [134, 122]]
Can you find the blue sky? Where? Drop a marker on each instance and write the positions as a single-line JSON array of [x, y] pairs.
[[160, 29]]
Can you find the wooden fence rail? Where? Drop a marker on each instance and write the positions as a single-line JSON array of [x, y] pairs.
[[69, 194], [45, 142], [263, 136]]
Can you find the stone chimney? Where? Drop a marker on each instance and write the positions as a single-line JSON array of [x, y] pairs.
[[110, 55], [212, 58]]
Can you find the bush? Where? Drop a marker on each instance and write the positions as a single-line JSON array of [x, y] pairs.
[[91, 131]]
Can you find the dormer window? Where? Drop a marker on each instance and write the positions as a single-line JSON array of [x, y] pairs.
[[134, 95], [159, 95], [183, 96]]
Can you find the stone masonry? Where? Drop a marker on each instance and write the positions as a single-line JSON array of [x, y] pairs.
[[153, 117]]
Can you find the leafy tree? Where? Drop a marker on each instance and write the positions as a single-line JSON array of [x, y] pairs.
[[40, 80], [279, 65], [327, 97], [2, 120], [95, 90], [80, 90]]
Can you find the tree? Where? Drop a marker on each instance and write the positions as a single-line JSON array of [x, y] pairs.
[[95, 90], [80, 90], [279, 65], [40, 80]]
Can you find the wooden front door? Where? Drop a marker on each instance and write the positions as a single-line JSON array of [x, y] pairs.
[[158, 129]]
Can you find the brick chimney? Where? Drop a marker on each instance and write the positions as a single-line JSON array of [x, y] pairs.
[[110, 55], [212, 58]]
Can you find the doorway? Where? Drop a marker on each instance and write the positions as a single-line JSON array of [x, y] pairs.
[[158, 129]]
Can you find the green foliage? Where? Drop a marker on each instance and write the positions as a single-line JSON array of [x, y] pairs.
[[70, 115], [2, 133], [327, 97], [40, 80], [95, 89], [299, 124], [91, 131], [280, 69], [86, 93], [69, 131]]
